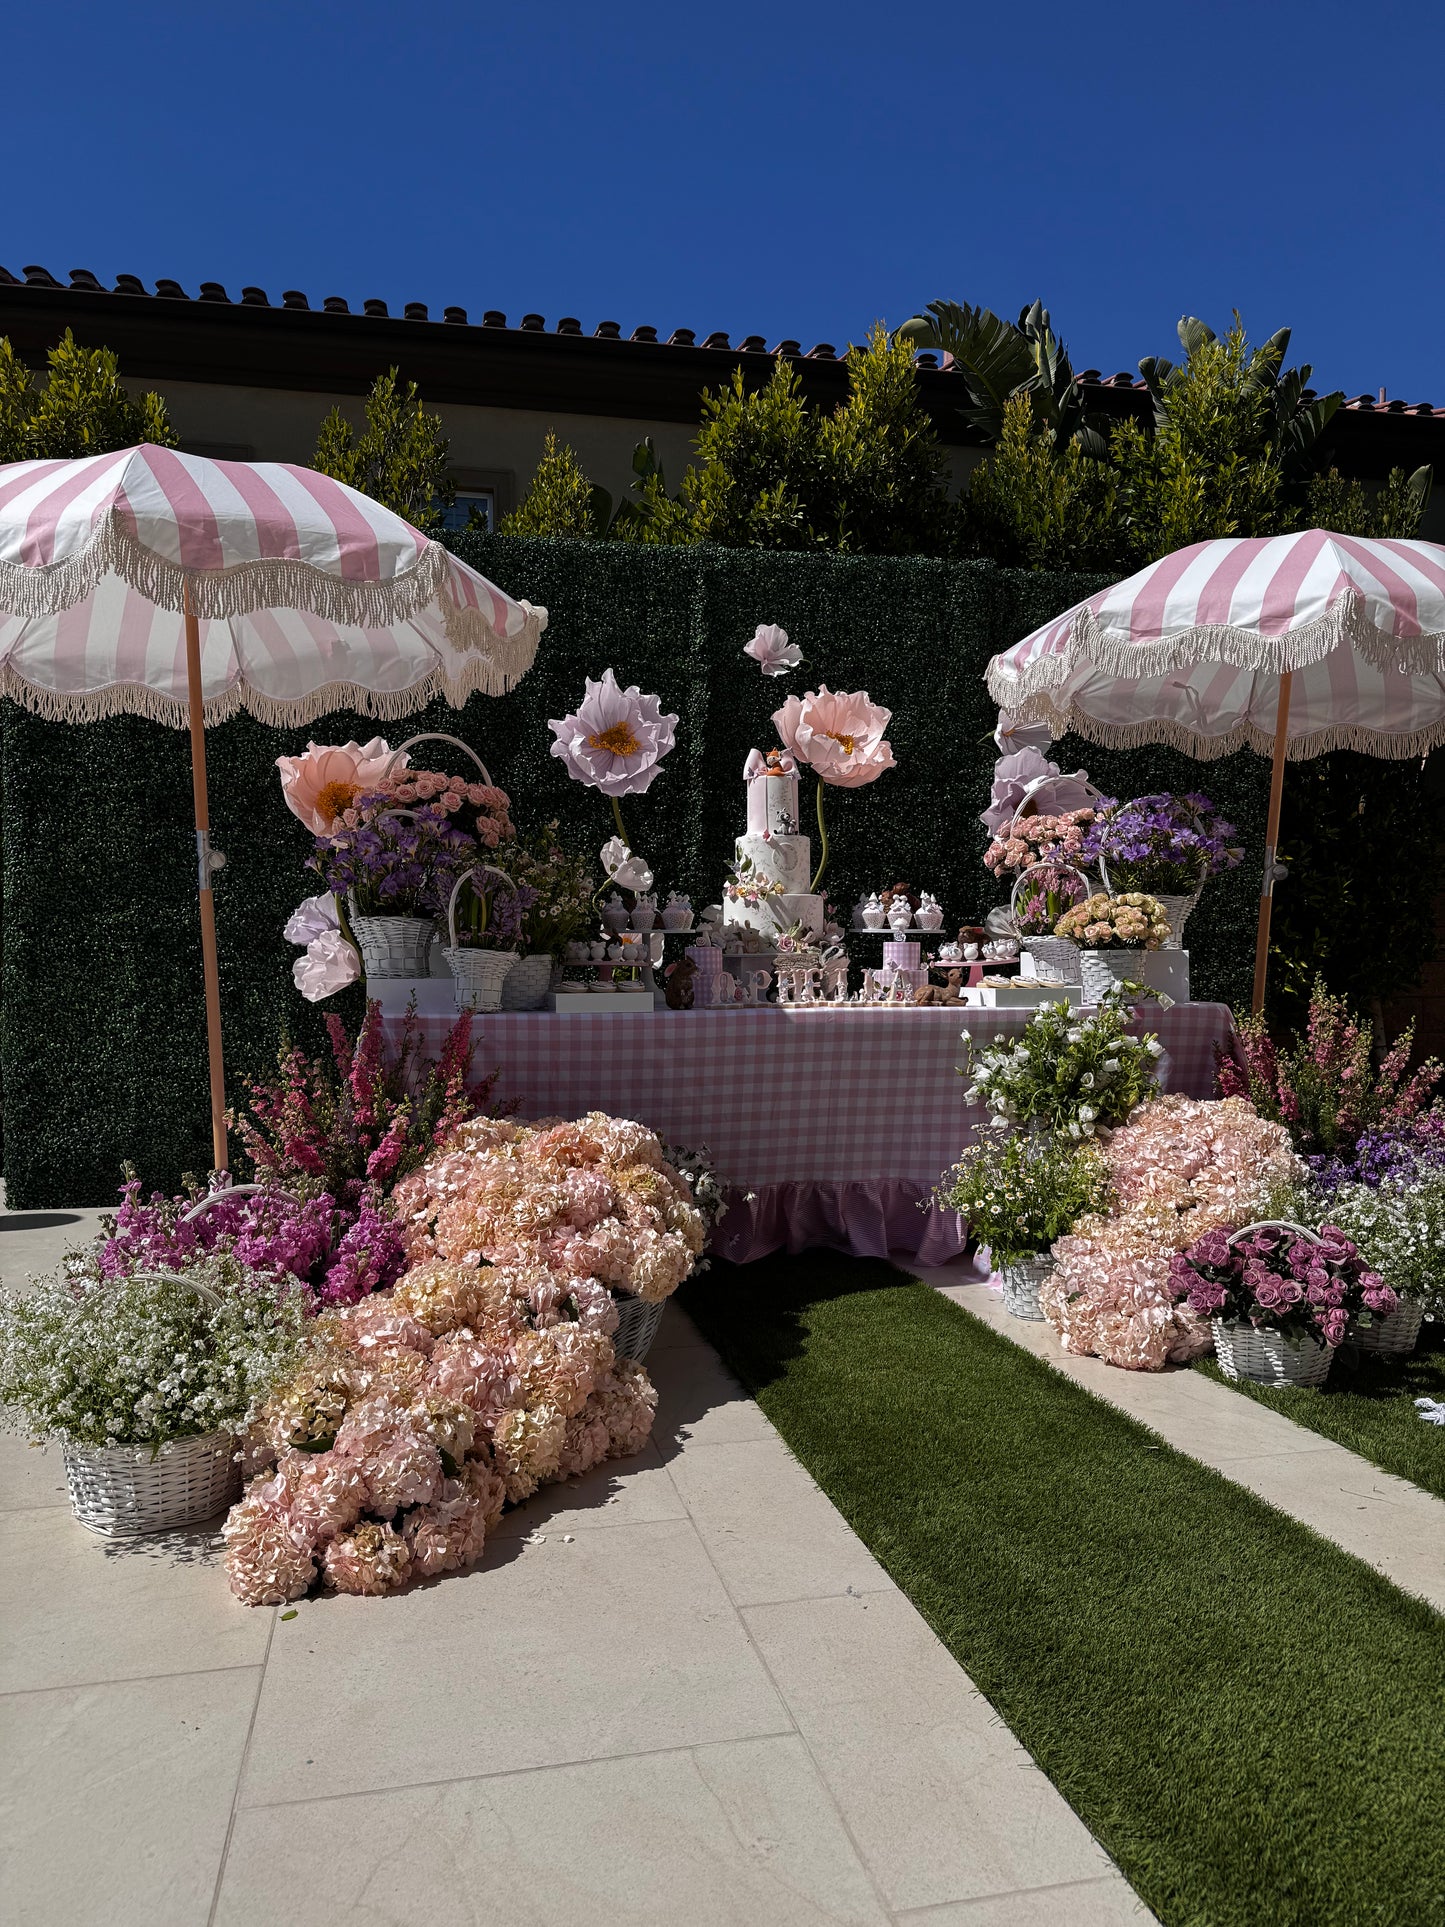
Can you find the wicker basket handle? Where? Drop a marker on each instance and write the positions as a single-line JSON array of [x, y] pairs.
[[476, 870], [1031, 791], [235, 1191], [202, 1292], [1277, 1224], [436, 736]]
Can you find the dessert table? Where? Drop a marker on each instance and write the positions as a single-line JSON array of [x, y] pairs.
[[829, 1126]]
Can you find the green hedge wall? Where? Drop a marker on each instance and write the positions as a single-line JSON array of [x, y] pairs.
[[102, 1030]]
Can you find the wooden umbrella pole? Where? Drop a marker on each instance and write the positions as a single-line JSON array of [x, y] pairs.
[[1271, 842], [209, 963]]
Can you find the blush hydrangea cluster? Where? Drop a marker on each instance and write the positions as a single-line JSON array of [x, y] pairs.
[[487, 1371], [1180, 1168], [417, 1417]]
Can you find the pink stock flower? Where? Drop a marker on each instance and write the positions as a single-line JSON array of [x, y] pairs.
[[615, 739], [772, 651], [315, 785], [838, 735]]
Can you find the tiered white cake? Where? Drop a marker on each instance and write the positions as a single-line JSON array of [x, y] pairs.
[[773, 854]]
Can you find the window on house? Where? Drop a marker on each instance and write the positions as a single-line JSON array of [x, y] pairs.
[[481, 502]]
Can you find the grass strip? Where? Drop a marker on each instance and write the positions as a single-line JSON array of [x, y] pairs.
[[1249, 1720], [1368, 1404]]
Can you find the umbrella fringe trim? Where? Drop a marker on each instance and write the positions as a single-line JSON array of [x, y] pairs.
[[1345, 621], [1356, 736], [482, 676], [245, 588]]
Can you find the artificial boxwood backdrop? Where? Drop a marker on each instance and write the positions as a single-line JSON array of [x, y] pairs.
[[102, 1040]]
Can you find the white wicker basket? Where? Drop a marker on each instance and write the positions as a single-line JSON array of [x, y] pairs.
[[479, 974], [393, 946], [1396, 1334], [1021, 1284], [123, 1491], [1176, 915], [1056, 957], [1268, 1357], [637, 1324], [1100, 970], [528, 981]]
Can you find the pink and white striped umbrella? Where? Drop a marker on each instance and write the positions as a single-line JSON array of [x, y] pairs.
[[310, 596], [1192, 649]]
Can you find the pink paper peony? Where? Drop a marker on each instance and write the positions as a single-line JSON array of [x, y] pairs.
[[616, 738], [316, 785], [771, 650], [837, 734]]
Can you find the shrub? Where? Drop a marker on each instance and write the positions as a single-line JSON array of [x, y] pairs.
[[399, 459], [80, 408], [1018, 1194], [560, 501]]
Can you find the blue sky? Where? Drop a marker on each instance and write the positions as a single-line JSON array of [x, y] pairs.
[[779, 171]]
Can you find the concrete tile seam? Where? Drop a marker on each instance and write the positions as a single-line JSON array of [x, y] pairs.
[[823, 1780], [241, 1775], [688, 1747], [129, 1679]]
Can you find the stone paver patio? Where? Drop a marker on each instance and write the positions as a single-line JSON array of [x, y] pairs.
[[678, 1691]]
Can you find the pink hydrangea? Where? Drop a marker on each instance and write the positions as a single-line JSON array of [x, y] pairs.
[[268, 1558], [370, 1559]]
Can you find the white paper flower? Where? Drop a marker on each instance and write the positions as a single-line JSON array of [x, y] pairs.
[[627, 871], [329, 965], [1011, 735], [312, 919], [771, 650]]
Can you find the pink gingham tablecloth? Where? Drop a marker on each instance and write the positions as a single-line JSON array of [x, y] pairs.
[[830, 1126]]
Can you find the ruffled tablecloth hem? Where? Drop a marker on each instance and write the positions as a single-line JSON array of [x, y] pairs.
[[877, 1218]]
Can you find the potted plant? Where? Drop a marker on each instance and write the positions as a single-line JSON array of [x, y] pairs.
[[1280, 1297], [560, 908], [1042, 892], [1114, 934], [484, 947], [1067, 1074], [1168, 846], [1019, 1194], [145, 1379], [392, 869], [1398, 1223]]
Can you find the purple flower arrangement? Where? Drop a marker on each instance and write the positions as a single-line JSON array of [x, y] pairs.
[[394, 863], [1400, 1155], [1163, 843], [340, 1253], [1281, 1279]]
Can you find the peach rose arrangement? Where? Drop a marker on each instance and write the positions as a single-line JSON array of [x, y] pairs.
[[487, 1371], [1132, 921]]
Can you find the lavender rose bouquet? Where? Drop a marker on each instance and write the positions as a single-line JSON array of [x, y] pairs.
[[1281, 1278], [1162, 844]]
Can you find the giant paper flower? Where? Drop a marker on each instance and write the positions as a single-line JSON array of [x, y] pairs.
[[627, 871], [1012, 776], [1011, 735], [615, 739], [330, 963], [771, 650], [838, 735], [328, 778]]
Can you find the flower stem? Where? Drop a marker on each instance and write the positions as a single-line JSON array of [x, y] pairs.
[[617, 819], [823, 833]]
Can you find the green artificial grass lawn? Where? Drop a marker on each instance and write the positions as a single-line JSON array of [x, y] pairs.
[[1368, 1404], [1249, 1720]]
